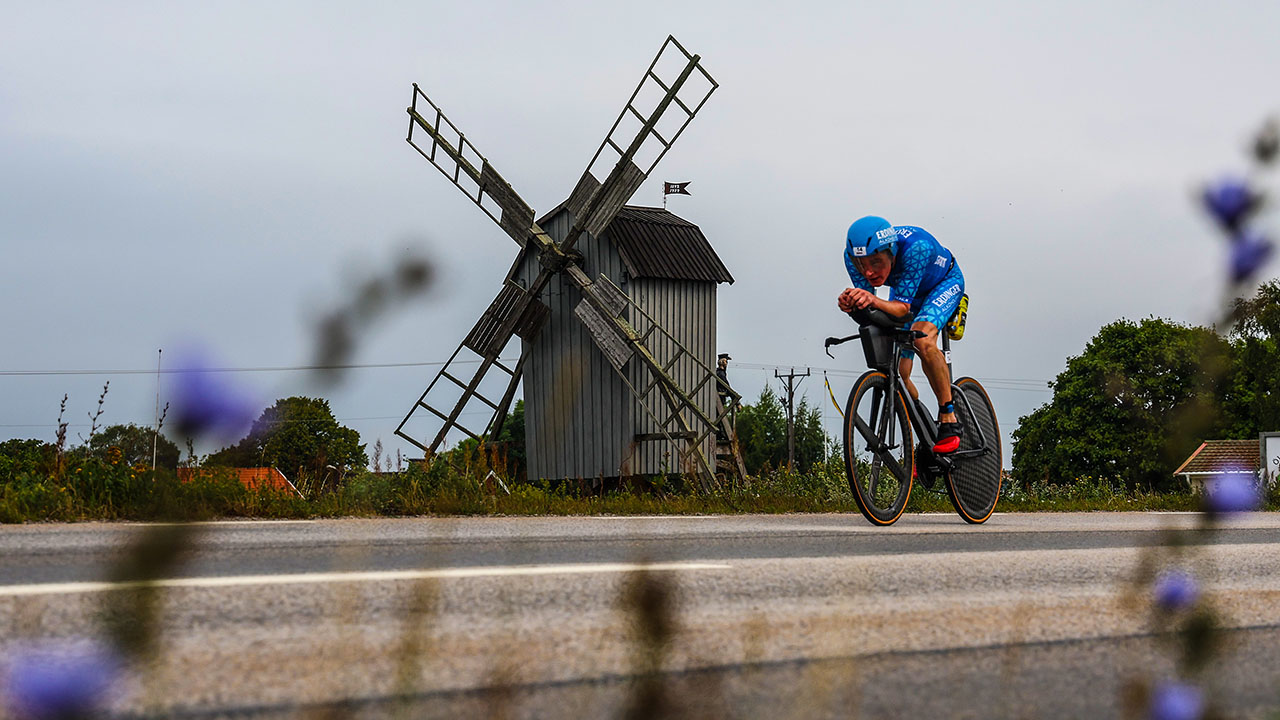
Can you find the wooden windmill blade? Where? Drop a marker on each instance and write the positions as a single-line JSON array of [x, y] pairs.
[[448, 149], [593, 203], [515, 311]]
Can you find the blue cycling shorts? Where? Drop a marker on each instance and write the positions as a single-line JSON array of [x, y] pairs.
[[937, 307]]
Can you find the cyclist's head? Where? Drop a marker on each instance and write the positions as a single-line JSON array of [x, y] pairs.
[[870, 247]]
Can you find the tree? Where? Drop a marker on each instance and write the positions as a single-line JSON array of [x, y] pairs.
[[135, 445], [25, 456], [1258, 316], [297, 435], [1128, 409], [811, 438], [511, 440], [762, 432], [1255, 340]]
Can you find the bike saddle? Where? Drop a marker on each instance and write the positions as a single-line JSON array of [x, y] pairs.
[[880, 318]]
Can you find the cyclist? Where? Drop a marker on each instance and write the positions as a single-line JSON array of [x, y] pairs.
[[923, 278]]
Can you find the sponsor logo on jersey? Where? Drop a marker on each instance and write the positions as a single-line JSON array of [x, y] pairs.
[[946, 295], [904, 232], [941, 261]]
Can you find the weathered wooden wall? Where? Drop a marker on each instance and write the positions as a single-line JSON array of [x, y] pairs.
[[580, 418], [686, 310], [576, 406]]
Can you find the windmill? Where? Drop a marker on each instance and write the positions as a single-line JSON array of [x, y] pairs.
[[667, 382]]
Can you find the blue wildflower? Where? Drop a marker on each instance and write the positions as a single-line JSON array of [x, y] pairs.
[[1249, 253], [1175, 590], [1230, 201], [206, 402], [1177, 701], [61, 681], [1232, 493]]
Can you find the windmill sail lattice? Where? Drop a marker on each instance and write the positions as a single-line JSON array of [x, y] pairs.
[[677, 415], [593, 204]]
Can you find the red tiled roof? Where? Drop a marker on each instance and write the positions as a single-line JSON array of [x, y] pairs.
[[252, 478], [1215, 456]]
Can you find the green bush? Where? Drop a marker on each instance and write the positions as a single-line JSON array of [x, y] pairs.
[[24, 456], [106, 488]]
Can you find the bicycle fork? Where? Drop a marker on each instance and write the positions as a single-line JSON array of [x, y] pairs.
[[883, 418]]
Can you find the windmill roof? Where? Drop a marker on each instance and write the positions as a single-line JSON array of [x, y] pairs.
[[1215, 456], [656, 243], [659, 244]]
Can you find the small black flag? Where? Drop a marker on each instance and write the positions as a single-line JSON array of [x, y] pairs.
[[670, 188]]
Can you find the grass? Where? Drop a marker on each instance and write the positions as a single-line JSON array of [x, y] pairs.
[[104, 488]]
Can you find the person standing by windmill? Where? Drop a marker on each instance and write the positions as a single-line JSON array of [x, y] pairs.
[[725, 393], [924, 279], [722, 377]]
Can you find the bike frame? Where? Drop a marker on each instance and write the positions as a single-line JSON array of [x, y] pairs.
[[917, 414]]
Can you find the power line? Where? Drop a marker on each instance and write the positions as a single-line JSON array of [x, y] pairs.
[[1017, 384], [276, 368], [141, 423], [848, 372]]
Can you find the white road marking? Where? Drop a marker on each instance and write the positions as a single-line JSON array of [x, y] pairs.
[[655, 517], [379, 576], [229, 522]]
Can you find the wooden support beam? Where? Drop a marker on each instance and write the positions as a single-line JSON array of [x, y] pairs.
[[647, 437]]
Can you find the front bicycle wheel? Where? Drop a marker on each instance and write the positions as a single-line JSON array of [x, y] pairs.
[[974, 481], [877, 448]]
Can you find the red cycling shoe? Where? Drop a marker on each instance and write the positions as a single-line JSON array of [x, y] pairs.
[[948, 437]]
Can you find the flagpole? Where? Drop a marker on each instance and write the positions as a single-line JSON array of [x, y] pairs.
[[669, 188]]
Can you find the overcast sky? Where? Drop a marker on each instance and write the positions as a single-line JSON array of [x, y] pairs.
[[222, 173]]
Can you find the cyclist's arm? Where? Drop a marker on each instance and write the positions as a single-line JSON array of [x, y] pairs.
[[893, 307], [857, 298]]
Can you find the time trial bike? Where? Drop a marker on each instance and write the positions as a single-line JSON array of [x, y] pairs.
[[882, 422]]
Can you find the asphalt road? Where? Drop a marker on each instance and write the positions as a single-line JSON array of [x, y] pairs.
[[1029, 616]]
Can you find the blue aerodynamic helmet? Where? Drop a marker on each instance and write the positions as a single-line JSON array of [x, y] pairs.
[[868, 236]]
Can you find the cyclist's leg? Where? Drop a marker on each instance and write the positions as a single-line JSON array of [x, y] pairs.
[[934, 364], [937, 308], [904, 371]]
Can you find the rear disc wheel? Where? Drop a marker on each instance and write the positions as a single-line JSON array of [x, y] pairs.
[[974, 482]]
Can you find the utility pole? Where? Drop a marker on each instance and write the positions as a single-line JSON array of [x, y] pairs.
[[791, 379], [155, 438]]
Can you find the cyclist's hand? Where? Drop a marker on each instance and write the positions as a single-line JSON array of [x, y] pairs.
[[855, 299], [845, 300]]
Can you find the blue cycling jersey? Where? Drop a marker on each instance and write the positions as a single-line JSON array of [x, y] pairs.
[[920, 265]]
